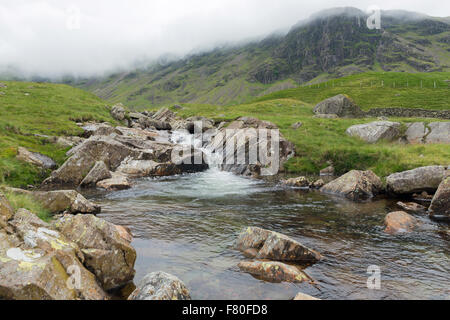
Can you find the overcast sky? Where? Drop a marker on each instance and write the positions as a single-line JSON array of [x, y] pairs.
[[90, 37]]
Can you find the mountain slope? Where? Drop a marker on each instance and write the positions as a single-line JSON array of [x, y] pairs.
[[331, 44]]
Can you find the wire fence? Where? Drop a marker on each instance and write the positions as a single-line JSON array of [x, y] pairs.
[[416, 84]]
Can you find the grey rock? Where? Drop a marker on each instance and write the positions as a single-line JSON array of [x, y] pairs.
[[375, 131], [340, 105], [417, 180], [35, 158], [160, 286], [440, 133]]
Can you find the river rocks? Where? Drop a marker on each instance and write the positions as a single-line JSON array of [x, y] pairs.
[[118, 112], [304, 296], [296, 125], [117, 182], [68, 141], [440, 205], [440, 132], [274, 271], [417, 180], [399, 222], [375, 131], [98, 129], [37, 261], [35, 158], [300, 182], [328, 171], [274, 246], [98, 173], [137, 168], [412, 207], [160, 286], [355, 185], [340, 105], [108, 255]]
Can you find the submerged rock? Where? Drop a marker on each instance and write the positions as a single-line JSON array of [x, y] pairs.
[[355, 185], [440, 205], [274, 246], [412, 207], [304, 296], [375, 131], [399, 222], [160, 286], [35, 158], [417, 180], [274, 271], [340, 105], [108, 254]]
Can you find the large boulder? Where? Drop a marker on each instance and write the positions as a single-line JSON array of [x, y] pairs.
[[417, 180], [274, 271], [35, 158], [107, 253], [160, 286], [440, 205], [37, 263], [98, 173], [375, 131], [355, 185], [265, 244], [340, 105], [399, 222], [416, 132], [440, 132]]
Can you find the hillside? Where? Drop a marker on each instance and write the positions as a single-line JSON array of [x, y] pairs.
[[29, 109], [331, 44]]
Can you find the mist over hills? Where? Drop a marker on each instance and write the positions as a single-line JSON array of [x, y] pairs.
[[330, 44]]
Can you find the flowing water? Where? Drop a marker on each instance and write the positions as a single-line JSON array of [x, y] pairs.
[[186, 225]]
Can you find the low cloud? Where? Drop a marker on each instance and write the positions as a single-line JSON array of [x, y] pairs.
[[54, 38]]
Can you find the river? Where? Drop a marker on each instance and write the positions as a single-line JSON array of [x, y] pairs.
[[186, 225]]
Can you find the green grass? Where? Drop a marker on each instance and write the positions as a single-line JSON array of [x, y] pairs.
[[321, 140], [40, 108], [21, 201], [378, 90]]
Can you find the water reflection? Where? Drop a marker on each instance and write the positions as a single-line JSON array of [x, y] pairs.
[[186, 225]]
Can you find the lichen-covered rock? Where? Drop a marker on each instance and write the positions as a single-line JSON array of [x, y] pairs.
[[117, 182], [274, 246], [417, 180], [300, 182], [274, 271], [412, 207], [375, 131], [35, 158], [108, 254], [98, 173], [37, 262], [440, 205], [355, 185], [340, 105], [399, 222], [160, 286]]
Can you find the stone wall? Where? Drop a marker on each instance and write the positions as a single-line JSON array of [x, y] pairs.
[[408, 113]]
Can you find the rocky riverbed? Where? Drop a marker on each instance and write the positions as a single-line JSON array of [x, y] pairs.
[[198, 221]]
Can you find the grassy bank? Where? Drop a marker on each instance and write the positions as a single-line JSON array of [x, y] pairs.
[[378, 90], [29, 108], [21, 201]]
